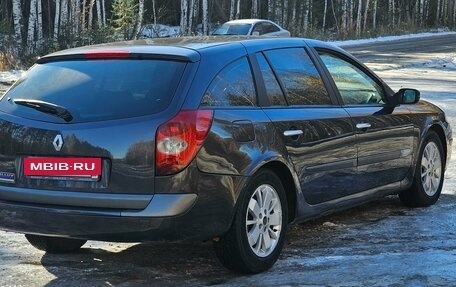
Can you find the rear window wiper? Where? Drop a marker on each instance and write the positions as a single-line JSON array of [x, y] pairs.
[[46, 107]]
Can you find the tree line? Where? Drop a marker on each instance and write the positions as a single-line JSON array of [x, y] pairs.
[[33, 27]]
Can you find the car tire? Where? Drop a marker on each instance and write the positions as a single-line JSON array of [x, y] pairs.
[[428, 180], [262, 216], [54, 244]]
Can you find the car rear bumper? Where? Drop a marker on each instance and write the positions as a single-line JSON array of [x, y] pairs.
[[168, 216], [201, 209]]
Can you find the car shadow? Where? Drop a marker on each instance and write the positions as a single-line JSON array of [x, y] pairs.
[[144, 264], [195, 263]]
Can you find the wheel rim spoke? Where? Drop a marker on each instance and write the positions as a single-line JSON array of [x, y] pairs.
[[275, 219], [254, 236], [267, 241], [254, 208]]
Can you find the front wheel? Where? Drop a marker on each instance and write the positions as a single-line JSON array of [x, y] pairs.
[[428, 181], [256, 237], [54, 244]]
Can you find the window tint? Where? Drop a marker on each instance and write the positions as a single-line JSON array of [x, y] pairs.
[[299, 77], [273, 90], [99, 89], [269, 28], [354, 85], [233, 29], [258, 29], [233, 86]]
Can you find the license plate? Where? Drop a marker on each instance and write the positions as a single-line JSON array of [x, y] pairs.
[[79, 167]]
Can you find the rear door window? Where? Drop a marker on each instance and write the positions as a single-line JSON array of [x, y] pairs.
[[98, 89], [273, 90], [298, 75]]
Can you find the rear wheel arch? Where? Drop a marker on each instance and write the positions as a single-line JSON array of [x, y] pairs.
[[285, 176]]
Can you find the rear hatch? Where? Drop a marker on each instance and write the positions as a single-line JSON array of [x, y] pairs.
[[87, 122]]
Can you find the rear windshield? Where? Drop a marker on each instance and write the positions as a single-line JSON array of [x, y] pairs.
[[96, 90], [233, 29]]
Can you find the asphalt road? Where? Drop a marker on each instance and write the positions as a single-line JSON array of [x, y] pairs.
[[403, 52], [378, 244]]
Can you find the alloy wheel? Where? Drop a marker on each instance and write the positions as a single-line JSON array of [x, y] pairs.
[[431, 168], [264, 220]]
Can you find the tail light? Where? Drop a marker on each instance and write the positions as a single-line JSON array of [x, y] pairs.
[[179, 140]]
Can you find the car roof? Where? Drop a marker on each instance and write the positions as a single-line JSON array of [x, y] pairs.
[[247, 21], [187, 48]]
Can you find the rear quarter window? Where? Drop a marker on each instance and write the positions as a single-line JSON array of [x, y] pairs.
[[98, 89], [232, 87]]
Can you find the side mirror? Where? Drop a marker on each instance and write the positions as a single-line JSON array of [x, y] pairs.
[[407, 96], [255, 33]]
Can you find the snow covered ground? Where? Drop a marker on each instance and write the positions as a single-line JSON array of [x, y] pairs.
[[9, 77]]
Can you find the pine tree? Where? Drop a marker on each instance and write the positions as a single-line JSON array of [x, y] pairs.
[[124, 14]]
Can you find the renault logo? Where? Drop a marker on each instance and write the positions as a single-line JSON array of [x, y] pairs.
[[58, 142]]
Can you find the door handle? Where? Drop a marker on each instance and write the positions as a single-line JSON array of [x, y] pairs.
[[363, 126], [292, 133]]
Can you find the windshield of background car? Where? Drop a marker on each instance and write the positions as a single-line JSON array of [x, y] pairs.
[[233, 29], [97, 89]]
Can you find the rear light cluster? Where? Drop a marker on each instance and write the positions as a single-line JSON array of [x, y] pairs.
[[179, 140]]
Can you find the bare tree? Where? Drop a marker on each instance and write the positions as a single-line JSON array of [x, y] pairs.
[[184, 17], [358, 18], [366, 10], [232, 8], [90, 21], [103, 8], [39, 21], [254, 8], [76, 15], [17, 20], [454, 13], [324, 15], [335, 17], [64, 13], [350, 15], [190, 17], [154, 12], [140, 17], [374, 16], [344, 17], [306, 17], [285, 13], [421, 12], [31, 26], [270, 9], [205, 18], [56, 19], [238, 9], [392, 13], [99, 14]]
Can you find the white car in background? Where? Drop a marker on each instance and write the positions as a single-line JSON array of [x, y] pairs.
[[252, 27]]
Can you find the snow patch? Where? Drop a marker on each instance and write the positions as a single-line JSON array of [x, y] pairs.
[[447, 63], [332, 225], [9, 77]]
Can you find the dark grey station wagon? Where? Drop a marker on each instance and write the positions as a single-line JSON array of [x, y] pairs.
[[219, 139]]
